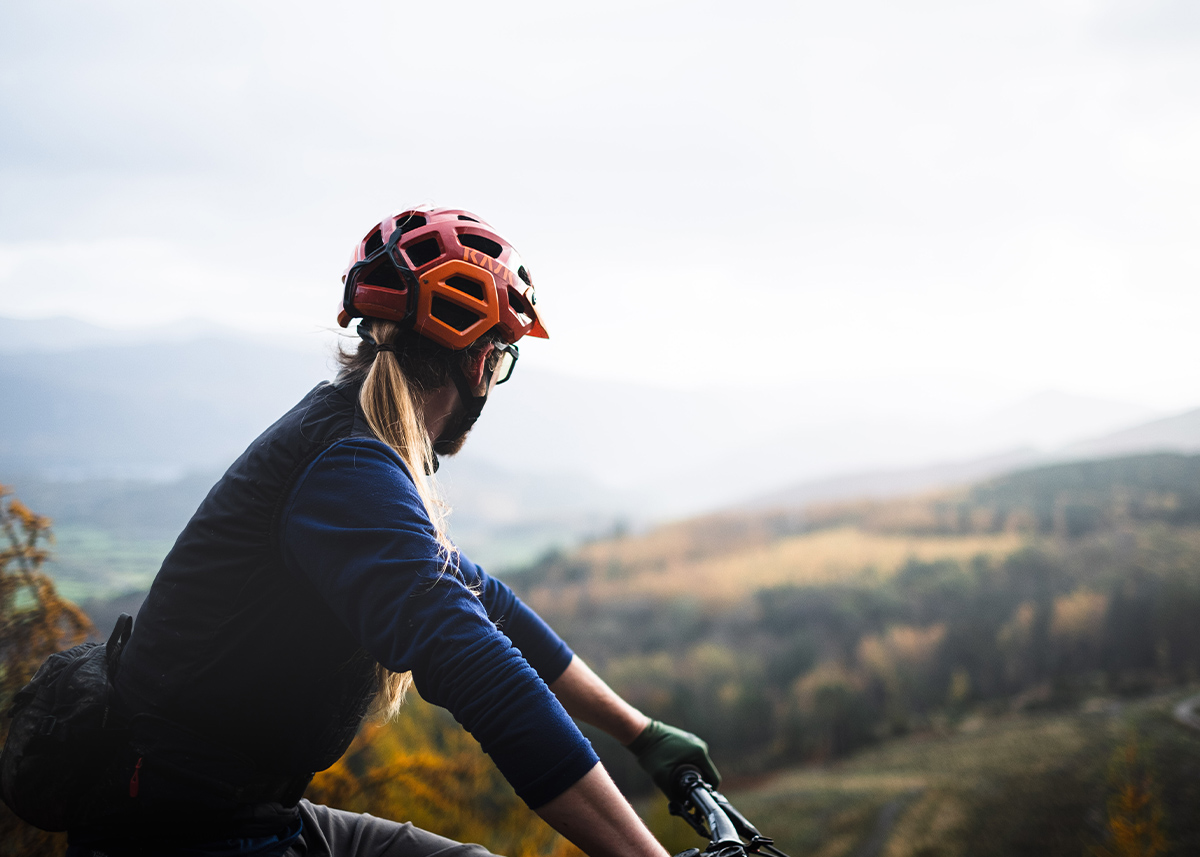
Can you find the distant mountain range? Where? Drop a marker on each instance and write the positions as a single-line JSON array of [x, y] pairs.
[[1179, 433], [554, 459], [144, 411]]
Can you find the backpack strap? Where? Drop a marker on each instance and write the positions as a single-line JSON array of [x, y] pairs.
[[112, 659], [116, 643]]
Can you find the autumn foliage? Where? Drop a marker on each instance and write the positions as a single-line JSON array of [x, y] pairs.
[[1134, 820], [424, 768], [34, 623]]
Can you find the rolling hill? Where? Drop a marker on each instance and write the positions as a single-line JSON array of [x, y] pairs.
[[807, 633]]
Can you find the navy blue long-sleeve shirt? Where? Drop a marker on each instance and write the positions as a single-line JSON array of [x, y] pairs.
[[355, 526]]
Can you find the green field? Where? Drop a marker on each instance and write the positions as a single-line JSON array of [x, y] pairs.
[[91, 563]]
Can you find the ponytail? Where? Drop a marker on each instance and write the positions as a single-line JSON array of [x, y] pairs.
[[390, 400]]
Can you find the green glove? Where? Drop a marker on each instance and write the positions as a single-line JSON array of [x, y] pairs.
[[660, 749]]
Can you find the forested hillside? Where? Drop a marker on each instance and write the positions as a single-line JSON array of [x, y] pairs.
[[1064, 500], [805, 634], [918, 646]]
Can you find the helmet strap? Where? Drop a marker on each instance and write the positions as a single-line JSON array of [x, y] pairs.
[[472, 407]]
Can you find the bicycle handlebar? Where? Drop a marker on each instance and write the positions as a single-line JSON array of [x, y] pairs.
[[729, 832], [721, 829]]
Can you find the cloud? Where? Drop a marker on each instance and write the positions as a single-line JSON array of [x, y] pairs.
[[897, 187]]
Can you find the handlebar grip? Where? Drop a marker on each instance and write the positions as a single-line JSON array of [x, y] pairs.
[[683, 779], [690, 786]]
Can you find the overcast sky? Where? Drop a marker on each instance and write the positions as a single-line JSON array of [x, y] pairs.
[[982, 199]]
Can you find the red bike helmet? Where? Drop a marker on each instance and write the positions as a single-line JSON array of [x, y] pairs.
[[444, 273]]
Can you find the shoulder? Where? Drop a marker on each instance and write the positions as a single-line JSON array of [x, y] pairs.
[[365, 454], [359, 472]]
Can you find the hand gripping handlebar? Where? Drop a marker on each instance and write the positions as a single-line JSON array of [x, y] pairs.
[[729, 832]]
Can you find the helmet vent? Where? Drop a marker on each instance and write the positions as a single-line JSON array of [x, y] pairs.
[[483, 245], [524, 275], [385, 276], [460, 318], [464, 217], [466, 286], [413, 221], [423, 252], [374, 242], [517, 304]]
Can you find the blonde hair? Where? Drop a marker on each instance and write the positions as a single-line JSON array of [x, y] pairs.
[[390, 399]]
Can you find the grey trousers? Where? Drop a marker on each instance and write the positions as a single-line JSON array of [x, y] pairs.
[[336, 833]]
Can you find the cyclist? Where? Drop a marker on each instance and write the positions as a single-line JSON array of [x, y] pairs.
[[316, 581]]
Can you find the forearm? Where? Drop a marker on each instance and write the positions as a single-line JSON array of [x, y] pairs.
[[586, 697], [595, 816], [660, 748]]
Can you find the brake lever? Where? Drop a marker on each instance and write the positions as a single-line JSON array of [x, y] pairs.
[[711, 815], [693, 820]]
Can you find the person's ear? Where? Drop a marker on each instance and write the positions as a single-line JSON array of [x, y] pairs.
[[477, 366]]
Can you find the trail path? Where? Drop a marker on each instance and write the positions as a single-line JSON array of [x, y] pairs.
[[889, 814]]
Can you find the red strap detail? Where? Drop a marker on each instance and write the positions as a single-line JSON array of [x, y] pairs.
[[133, 781]]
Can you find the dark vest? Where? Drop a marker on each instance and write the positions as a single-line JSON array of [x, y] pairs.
[[236, 665]]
